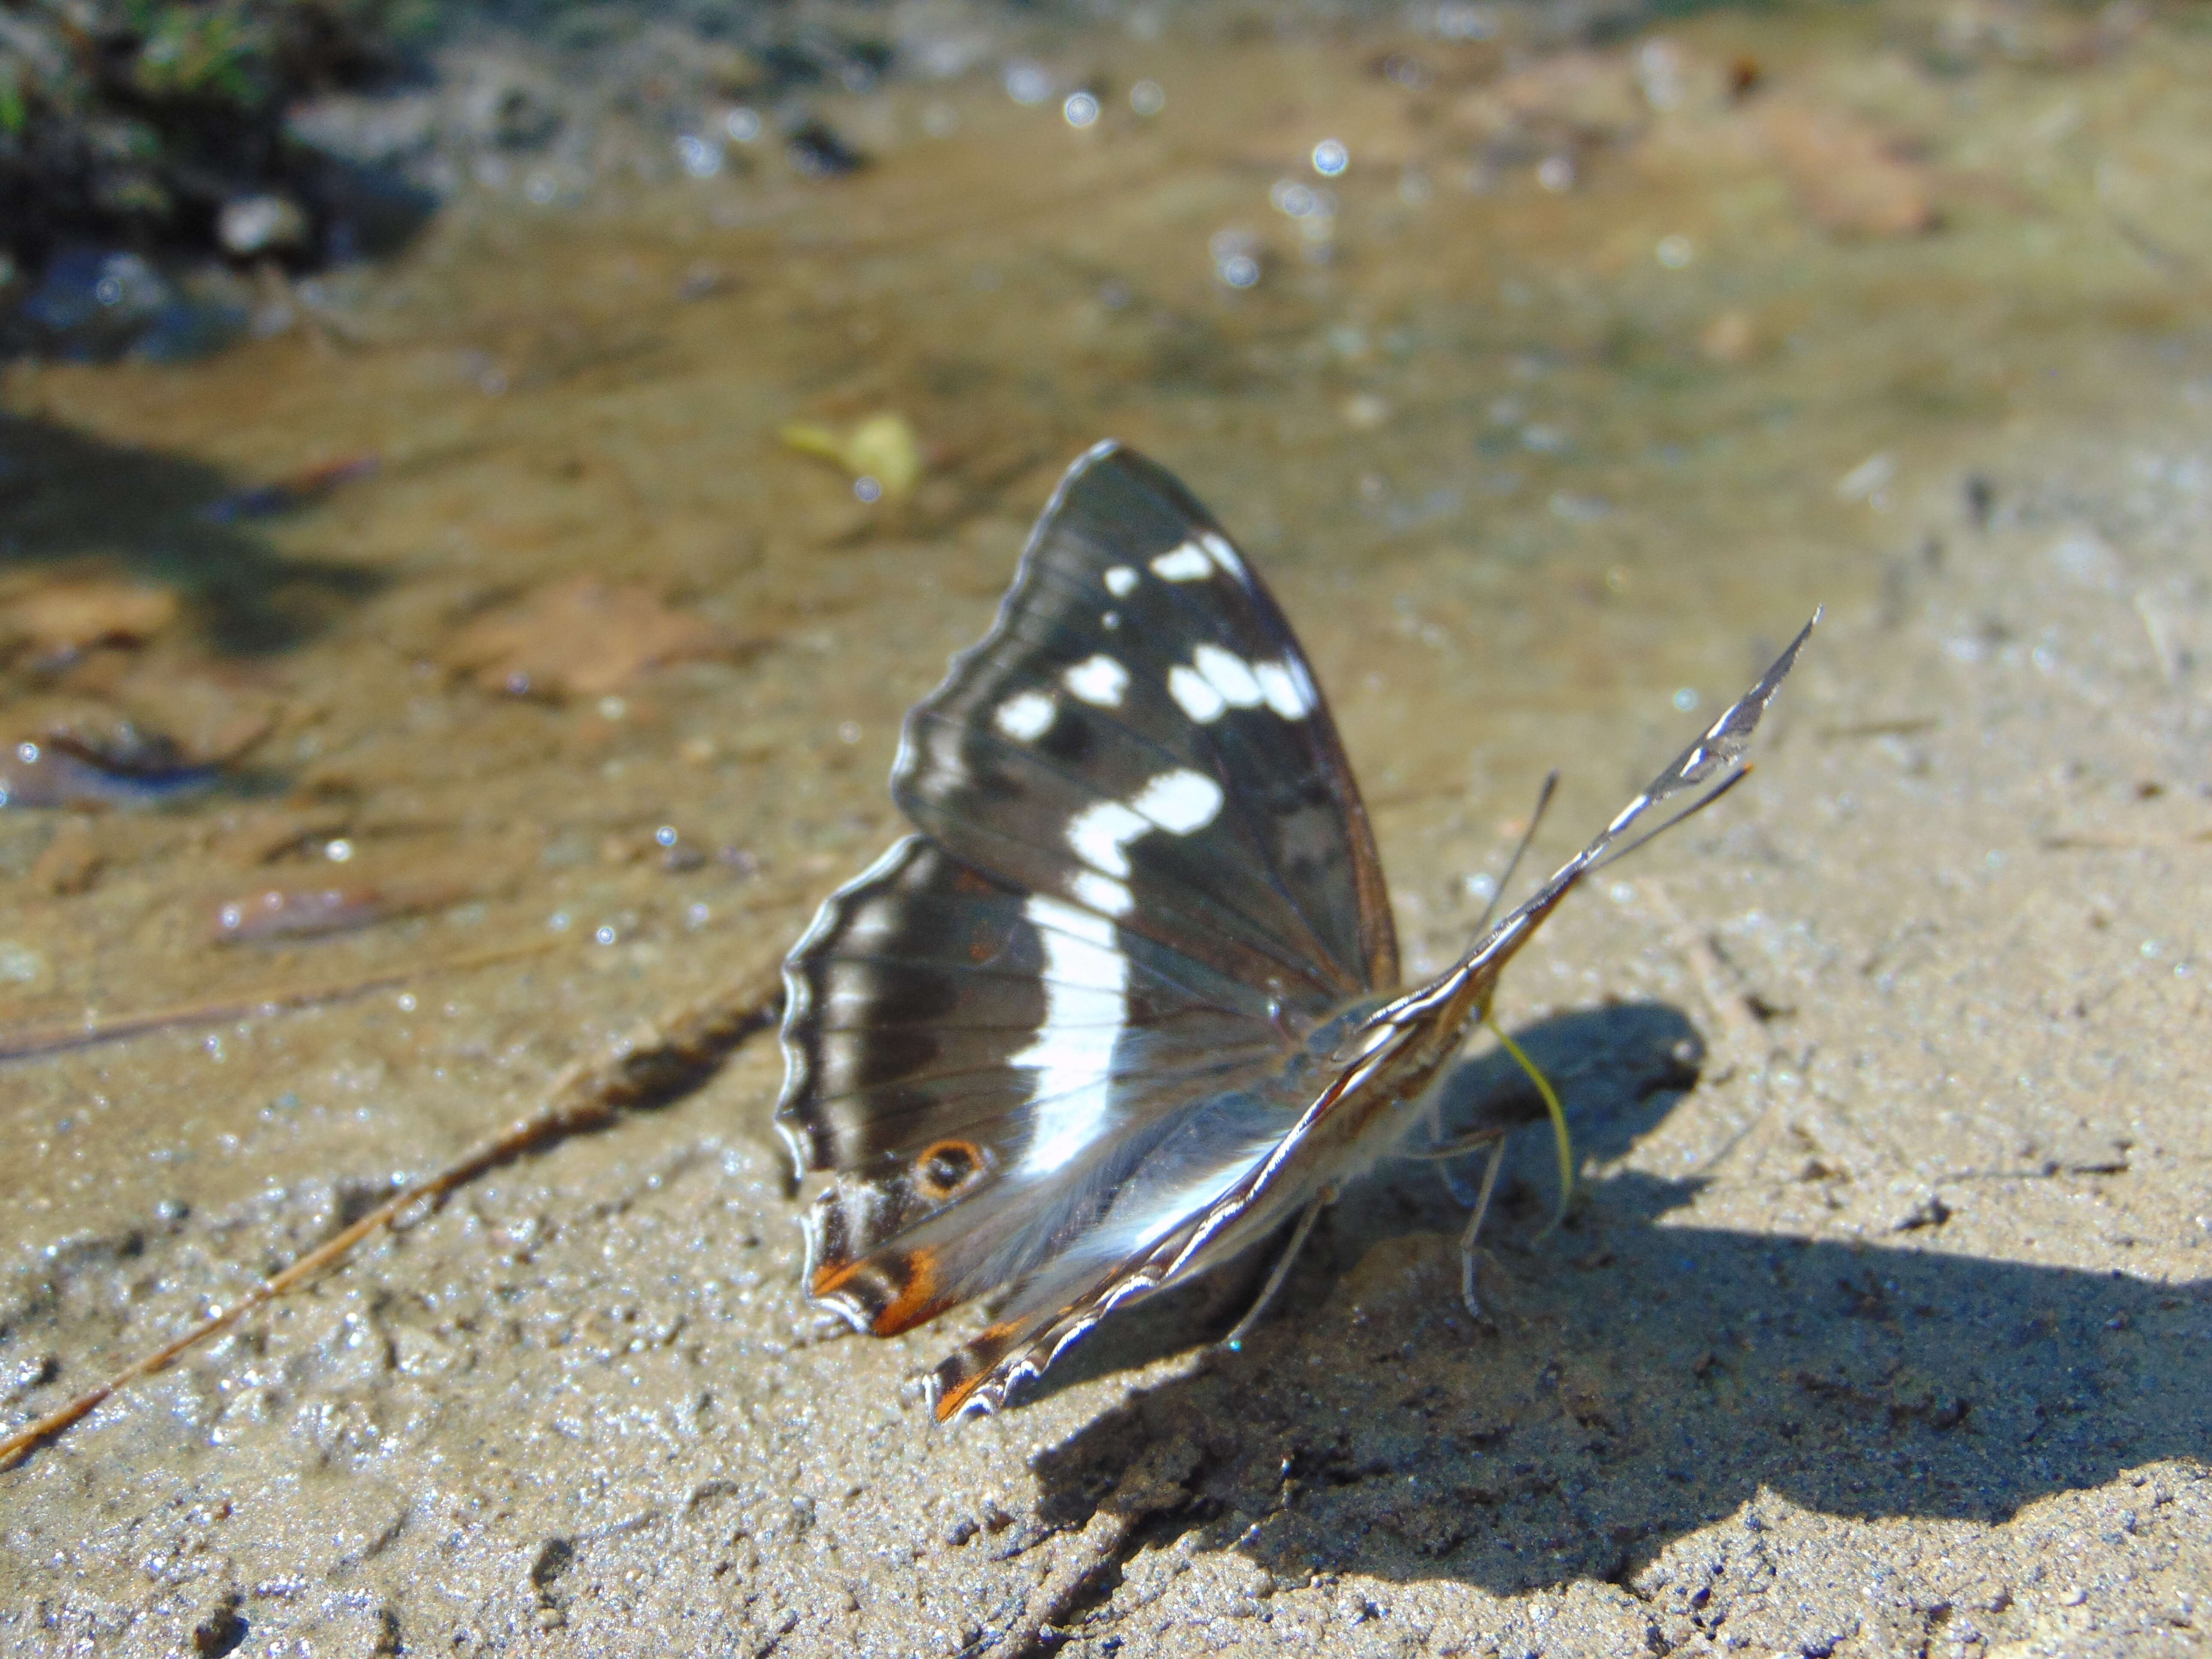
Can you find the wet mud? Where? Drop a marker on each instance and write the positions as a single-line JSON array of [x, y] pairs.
[[1550, 403]]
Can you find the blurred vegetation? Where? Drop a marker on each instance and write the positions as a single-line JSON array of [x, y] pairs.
[[128, 123]]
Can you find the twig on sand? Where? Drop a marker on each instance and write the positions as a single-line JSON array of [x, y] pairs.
[[659, 1062], [2123, 840], [53, 1039]]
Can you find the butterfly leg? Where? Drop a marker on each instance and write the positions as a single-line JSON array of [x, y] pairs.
[[1467, 1250], [1281, 1270]]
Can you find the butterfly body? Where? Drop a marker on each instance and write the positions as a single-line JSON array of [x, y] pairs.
[[1124, 1005]]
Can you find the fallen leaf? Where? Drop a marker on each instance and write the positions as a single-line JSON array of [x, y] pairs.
[[72, 861], [1729, 338], [882, 447], [1844, 173], [578, 638], [68, 615]]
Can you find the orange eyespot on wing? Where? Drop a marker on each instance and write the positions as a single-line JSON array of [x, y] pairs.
[[947, 1166]]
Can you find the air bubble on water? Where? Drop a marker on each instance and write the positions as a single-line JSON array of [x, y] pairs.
[[867, 488], [697, 157], [1461, 20], [1146, 97], [1330, 157], [1685, 699], [1028, 83], [1081, 109], [742, 124]]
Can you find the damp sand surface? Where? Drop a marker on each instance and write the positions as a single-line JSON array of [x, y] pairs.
[[1881, 1321]]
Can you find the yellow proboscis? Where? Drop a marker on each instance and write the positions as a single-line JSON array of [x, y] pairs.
[[1560, 1137]]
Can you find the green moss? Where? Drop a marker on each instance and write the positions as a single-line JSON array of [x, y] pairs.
[[15, 115], [216, 52]]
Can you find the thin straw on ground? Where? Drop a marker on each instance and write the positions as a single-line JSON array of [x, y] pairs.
[[215, 1010], [652, 1066]]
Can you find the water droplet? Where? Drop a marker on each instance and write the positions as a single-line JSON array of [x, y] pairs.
[[1028, 83], [867, 488], [697, 157], [1459, 20]]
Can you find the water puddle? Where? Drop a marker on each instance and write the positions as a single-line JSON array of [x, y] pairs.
[[1551, 388]]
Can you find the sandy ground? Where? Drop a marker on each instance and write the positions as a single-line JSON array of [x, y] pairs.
[[1880, 1325]]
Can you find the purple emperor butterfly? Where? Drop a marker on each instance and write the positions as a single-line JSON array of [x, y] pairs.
[[1122, 1008]]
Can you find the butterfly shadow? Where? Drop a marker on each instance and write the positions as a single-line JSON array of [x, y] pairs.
[[1632, 1382]]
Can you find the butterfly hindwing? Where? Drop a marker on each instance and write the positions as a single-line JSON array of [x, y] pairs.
[[949, 1041]]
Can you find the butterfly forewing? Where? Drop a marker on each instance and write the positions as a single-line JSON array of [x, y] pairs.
[[1141, 734]]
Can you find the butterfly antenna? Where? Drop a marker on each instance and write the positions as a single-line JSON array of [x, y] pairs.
[[1719, 751], [1718, 754], [1688, 812], [1520, 847]]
